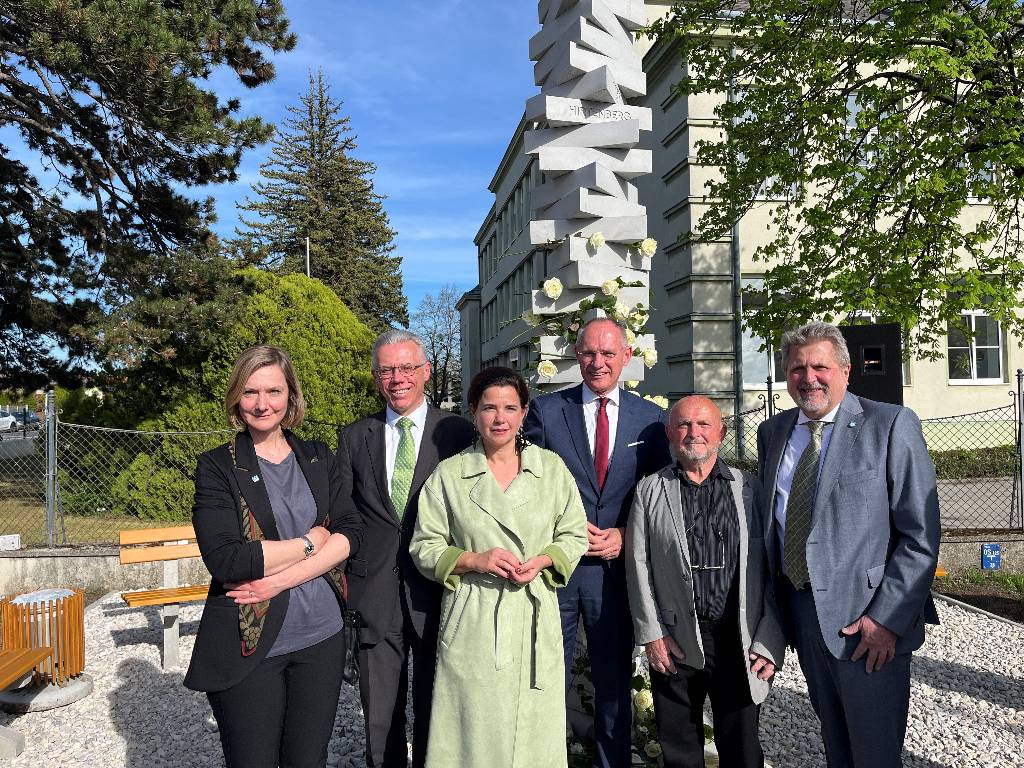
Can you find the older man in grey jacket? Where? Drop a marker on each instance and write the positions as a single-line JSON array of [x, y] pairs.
[[700, 594]]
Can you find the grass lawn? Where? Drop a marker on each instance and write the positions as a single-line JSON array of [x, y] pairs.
[[996, 592], [29, 519]]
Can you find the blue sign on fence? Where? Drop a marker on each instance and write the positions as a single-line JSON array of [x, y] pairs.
[[990, 557]]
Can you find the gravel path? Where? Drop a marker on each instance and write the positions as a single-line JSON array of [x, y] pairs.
[[967, 711]]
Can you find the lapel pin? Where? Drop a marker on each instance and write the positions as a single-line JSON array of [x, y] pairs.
[[255, 478], [852, 424], [314, 460]]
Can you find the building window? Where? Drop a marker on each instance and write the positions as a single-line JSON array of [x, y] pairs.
[[758, 363], [975, 356]]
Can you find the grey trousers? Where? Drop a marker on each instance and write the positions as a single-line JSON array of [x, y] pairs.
[[863, 716]]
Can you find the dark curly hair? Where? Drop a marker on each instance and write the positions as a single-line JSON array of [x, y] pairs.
[[498, 376]]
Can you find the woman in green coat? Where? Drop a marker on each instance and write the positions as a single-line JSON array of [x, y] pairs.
[[501, 526]]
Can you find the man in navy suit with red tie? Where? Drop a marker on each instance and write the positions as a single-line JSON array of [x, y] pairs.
[[609, 439]]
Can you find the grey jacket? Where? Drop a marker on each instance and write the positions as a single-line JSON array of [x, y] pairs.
[[660, 582], [874, 539]]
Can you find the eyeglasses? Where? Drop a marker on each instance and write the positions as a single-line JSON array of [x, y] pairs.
[[721, 547], [406, 369]]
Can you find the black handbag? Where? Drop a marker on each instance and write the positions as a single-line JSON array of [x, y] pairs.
[[353, 621]]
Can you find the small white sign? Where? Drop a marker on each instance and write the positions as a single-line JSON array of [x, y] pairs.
[[10, 541]]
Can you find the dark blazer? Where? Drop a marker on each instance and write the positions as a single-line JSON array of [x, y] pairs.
[[874, 538], [217, 661], [383, 565], [555, 421]]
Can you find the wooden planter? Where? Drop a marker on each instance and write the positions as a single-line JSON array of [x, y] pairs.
[[58, 624]]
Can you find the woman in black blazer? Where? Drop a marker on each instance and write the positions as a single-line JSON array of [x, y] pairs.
[[273, 527]]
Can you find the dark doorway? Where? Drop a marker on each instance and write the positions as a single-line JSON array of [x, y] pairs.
[[876, 361]]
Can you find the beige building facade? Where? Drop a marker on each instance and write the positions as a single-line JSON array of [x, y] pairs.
[[696, 290]]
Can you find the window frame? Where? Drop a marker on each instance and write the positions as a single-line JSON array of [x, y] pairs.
[[972, 348]]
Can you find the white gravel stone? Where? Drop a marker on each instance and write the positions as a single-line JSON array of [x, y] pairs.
[[966, 707]]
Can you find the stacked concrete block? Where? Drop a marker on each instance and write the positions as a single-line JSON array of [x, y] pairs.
[[583, 136]]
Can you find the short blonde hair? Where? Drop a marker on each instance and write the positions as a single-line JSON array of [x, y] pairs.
[[246, 365]]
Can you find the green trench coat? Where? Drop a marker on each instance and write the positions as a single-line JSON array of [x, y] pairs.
[[499, 692]]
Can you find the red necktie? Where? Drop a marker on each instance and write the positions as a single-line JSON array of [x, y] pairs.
[[601, 442]]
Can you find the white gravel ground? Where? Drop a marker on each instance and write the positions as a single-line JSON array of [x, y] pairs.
[[966, 709]]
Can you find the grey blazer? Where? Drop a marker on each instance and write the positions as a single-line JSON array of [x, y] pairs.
[[660, 583], [874, 539]]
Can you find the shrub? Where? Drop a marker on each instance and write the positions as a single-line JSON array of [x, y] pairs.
[[1000, 461]]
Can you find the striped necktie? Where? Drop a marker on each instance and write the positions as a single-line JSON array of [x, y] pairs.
[[405, 465], [800, 509]]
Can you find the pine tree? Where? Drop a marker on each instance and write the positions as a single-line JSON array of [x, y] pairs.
[[315, 188]]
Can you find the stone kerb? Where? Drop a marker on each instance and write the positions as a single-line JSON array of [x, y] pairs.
[[583, 136]]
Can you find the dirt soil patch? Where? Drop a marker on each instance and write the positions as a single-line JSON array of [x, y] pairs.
[[992, 596]]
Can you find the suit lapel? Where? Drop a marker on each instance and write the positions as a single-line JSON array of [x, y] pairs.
[[488, 496], [252, 486], [623, 436], [670, 489], [377, 453], [572, 410], [845, 431], [428, 457]]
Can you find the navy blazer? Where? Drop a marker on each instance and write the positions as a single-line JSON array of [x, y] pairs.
[[221, 482], [555, 421]]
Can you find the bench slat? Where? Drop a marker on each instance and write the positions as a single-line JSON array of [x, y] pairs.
[[156, 535], [165, 596], [15, 663], [154, 554]]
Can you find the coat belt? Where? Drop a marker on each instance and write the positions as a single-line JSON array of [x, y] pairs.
[[504, 640]]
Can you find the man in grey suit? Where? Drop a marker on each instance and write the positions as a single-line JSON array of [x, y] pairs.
[[853, 535], [700, 594]]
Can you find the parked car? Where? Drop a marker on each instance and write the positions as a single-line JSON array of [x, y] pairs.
[[27, 419], [8, 423]]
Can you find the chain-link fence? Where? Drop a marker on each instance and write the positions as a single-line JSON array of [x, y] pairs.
[[76, 484]]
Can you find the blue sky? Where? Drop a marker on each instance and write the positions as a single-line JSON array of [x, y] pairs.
[[434, 90]]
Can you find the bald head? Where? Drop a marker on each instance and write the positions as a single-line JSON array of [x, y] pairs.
[[695, 431]]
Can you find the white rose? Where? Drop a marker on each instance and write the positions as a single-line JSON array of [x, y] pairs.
[[659, 400], [596, 240], [649, 246], [620, 311], [553, 288], [610, 287], [546, 369], [643, 700], [638, 319], [650, 356], [630, 337], [631, 384], [531, 318], [653, 749]]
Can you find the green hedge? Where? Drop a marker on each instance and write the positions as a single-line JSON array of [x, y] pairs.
[[1000, 461]]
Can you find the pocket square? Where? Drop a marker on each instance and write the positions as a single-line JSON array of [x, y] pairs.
[[638, 442]]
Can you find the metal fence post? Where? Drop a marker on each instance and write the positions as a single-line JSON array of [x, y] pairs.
[[51, 465], [1019, 408]]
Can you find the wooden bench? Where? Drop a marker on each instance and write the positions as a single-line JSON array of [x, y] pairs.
[[167, 545], [17, 663]]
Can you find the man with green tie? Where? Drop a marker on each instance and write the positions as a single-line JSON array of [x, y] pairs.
[[384, 460]]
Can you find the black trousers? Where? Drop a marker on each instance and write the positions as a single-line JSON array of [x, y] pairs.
[[384, 689], [282, 713], [679, 704]]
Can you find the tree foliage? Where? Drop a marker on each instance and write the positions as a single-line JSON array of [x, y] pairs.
[[106, 122], [436, 321], [875, 130], [314, 187]]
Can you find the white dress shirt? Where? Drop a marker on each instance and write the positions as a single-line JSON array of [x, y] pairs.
[[799, 439], [611, 408], [392, 434]]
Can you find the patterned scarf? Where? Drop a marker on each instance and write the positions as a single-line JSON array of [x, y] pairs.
[[251, 618]]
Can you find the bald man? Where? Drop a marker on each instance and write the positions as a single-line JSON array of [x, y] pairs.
[[700, 594]]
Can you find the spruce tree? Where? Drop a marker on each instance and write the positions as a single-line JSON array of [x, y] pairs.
[[313, 187]]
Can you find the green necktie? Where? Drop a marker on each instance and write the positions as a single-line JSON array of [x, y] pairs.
[[800, 508], [405, 465]]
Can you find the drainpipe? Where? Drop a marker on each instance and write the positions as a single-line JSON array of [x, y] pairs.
[[737, 337]]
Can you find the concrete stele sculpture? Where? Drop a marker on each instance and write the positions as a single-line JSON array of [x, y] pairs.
[[584, 138]]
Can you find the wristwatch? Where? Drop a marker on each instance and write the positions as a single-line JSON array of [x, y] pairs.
[[309, 546]]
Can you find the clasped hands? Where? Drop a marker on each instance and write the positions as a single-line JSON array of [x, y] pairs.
[[501, 562], [663, 652], [258, 590]]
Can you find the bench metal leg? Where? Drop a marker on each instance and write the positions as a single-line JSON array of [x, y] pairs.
[[170, 620]]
